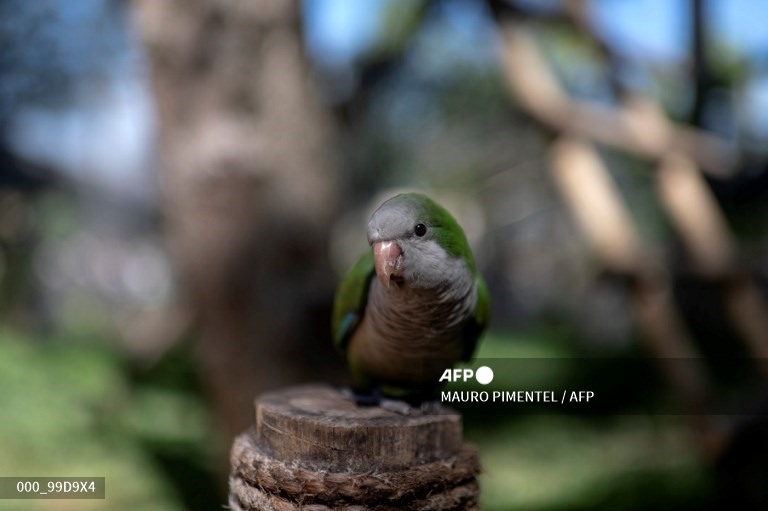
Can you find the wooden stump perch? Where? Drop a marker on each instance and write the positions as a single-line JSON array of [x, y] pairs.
[[313, 449]]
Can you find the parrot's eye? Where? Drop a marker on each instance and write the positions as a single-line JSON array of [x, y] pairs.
[[420, 230]]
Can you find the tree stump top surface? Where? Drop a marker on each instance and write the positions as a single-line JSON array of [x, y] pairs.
[[314, 449], [318, 427]]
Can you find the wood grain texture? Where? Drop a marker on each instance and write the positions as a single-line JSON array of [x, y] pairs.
[[318, 426], [313, 448]]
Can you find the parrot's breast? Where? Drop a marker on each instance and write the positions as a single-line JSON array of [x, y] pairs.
[[408, 336]]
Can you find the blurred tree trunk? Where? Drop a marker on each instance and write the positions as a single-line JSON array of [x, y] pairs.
[[248, 190]]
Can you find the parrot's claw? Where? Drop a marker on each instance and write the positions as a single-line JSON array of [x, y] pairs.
[[374, 397], [399, 407], [431, 407], [371, 398]]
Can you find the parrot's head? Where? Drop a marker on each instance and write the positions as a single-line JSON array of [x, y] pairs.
[[416, 242]]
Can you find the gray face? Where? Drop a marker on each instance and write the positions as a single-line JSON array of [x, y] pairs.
[[425, 263], [392, 221]]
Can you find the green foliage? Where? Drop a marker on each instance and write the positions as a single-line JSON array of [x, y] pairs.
[[559, 462], [71, 410], [576, 61], [399, 21], [565, 463]]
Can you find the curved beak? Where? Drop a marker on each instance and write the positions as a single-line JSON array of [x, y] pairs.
[[388, 261]]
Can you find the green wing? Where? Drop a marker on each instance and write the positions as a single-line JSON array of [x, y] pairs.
[[482, 316], [351, 297]]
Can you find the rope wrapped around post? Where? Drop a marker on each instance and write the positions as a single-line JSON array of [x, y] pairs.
[[313, 449]]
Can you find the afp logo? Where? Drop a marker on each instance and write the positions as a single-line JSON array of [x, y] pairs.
[[483, 375]]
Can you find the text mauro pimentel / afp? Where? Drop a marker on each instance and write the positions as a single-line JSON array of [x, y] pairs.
[[519, 396]]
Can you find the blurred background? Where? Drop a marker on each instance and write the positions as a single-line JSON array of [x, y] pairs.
[[183, 183]]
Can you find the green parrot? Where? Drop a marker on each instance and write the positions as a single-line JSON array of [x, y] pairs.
[[413, 305]]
